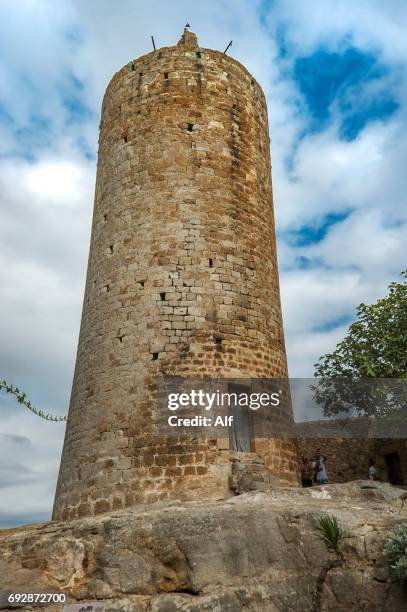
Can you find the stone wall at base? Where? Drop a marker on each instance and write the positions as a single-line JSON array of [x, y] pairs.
[[348, 459]]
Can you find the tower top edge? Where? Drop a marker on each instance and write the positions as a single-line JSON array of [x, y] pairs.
[[188, 39], [181, 48]]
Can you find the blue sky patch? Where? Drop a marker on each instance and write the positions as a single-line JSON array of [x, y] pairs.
[[263, 10], [74, 35], [5, 116], [350, 84], [328, 326], [32, 137], [378, 109], [312, 233], [72, 96], [87, 151], [309, 263]]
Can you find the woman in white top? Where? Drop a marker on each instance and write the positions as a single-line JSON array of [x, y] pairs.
[[321, 476], [373, 472]]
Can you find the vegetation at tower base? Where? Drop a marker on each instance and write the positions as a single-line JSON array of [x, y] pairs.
[[330, 532], [331, 535], [375, 347], [396, 552]]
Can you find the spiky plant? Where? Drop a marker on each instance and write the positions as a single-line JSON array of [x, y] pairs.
[[330, 532]]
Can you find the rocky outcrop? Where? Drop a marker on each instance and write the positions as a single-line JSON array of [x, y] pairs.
[[257, 551]]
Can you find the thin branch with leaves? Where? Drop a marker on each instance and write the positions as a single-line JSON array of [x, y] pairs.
[[22, 399]]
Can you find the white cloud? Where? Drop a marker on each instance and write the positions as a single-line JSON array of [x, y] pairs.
[[29, 456], [333, 175], [370, 24], [364, 239], [56, 182]]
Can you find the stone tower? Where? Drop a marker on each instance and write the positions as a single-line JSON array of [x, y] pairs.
[[182, 278]]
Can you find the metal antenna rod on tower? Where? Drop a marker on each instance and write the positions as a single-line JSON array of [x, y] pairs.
[[229, 45]]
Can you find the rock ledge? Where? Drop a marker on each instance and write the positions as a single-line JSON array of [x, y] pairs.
[[257, 551]]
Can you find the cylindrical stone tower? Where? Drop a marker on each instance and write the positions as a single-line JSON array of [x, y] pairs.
[[182, 278]]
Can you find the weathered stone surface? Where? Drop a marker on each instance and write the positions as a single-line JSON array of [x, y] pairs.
[[249, 477], [258, 551]]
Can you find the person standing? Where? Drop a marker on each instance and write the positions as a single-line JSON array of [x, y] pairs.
[[373, 472], [320, 476], [306, 472]]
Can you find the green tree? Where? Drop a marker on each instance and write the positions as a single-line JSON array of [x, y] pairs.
[[375, 346]]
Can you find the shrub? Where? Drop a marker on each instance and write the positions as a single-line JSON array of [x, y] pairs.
[[396, 552]]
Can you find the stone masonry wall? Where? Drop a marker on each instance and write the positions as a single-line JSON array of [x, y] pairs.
[[348, 459], [182, 278]]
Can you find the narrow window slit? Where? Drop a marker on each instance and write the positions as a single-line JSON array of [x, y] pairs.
[[190, 127], [110, 249], [104, 218], [211, 263], [165, 75], [133, 66], [198, 54], [218, 341], [142, 284], [162, 295], [155, 357]]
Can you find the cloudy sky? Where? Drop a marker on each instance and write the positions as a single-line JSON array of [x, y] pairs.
[[334, 73]]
